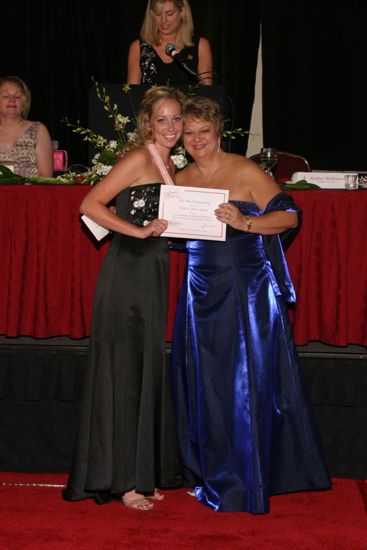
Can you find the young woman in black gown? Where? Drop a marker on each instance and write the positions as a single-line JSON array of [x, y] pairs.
[[126, 445], [244, 418], [168, 22]]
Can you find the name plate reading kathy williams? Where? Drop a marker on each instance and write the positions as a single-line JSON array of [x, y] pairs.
[[190, 212]]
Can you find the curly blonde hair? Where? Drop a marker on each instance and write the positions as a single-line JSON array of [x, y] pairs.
[[149, 31], [152, 99]]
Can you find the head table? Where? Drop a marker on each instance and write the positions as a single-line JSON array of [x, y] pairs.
[[50, 264]]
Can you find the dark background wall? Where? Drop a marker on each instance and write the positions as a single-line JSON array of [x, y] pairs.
[[313, 61]]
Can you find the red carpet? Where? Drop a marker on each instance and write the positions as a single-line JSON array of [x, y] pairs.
[[33, 517]]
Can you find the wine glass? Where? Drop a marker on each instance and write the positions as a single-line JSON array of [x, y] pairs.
[[268, 158]]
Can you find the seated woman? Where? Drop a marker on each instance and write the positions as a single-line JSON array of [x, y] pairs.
[[244, 418], [25, 146], [168, 22]]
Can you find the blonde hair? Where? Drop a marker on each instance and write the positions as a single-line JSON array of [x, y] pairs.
[[23, 88], [152, 99], [149, 31], [204, 108]]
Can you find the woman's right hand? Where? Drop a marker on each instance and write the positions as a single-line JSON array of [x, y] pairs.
[[154, 228]]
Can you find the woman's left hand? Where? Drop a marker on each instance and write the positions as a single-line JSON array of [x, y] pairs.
[[229, 213]]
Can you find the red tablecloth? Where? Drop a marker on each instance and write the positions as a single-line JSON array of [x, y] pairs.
[[49, 265], [328, 266]]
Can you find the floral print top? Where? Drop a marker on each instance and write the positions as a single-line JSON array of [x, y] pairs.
[[156, 71], [22, 155]]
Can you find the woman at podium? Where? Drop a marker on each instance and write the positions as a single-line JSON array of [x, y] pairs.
[[168, 52]]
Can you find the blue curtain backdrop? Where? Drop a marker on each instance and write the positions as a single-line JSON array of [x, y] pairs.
[[314, 84]]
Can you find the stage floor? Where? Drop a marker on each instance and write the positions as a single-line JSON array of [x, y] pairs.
[[41, 383]]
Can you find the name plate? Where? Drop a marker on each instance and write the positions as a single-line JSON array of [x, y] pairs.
[[326, 180], [190, 212]]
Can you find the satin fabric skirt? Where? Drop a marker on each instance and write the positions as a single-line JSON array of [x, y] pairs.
[[127, 436], [245, 423]]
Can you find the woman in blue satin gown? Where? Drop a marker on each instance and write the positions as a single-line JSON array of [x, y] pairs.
[[126, 446], [244, 418]]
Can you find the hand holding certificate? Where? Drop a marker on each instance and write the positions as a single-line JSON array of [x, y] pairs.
[[190, 212]]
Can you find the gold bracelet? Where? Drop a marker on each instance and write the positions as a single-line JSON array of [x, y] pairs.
[[248, 224]]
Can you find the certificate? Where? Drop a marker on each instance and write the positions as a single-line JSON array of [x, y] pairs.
[[190, 212]]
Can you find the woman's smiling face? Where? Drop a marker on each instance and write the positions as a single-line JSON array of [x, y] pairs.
[[200, 137], [166, 123]]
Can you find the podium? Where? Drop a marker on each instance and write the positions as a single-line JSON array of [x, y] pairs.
[[129, 102]]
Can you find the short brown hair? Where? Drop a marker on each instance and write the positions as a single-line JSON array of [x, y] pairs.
[[23, 88], [204, 108]]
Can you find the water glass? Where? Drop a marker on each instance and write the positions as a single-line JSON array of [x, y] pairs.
[[268, 158], [351, 181]]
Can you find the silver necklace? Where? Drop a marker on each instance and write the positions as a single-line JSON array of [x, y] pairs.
[[206, 179]]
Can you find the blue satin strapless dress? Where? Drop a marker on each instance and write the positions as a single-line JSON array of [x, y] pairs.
[[245, 422]]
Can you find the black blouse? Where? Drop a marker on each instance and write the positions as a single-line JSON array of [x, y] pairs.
[[156, 71]]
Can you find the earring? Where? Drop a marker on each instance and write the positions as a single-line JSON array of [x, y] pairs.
[[218, 145]]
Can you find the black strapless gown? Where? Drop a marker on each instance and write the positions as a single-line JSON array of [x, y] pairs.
[[127, 433], [244, 418]]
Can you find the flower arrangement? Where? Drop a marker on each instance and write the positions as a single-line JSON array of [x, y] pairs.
[[107, 151]]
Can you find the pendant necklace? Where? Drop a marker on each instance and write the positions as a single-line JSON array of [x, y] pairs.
[[206, 179]]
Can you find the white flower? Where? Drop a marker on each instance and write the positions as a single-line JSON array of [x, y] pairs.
[[180, 161], [95, 159], [100, 142], [112, 144], [140, 203], [132, 136], [121, 121], [145, 222], [101, 169]]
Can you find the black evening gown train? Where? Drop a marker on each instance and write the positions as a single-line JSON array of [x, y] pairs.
[[244, 418], [127, 435]]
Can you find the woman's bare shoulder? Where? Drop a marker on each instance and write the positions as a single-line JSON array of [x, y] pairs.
[[132, 164], [241, 162], [234, 161], [135, 45], [41, 127], [137, 154]]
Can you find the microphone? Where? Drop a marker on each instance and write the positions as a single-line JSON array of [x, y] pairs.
[[170, 50]]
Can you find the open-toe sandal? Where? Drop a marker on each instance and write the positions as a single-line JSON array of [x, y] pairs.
[[156, 495], [137, 503]]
